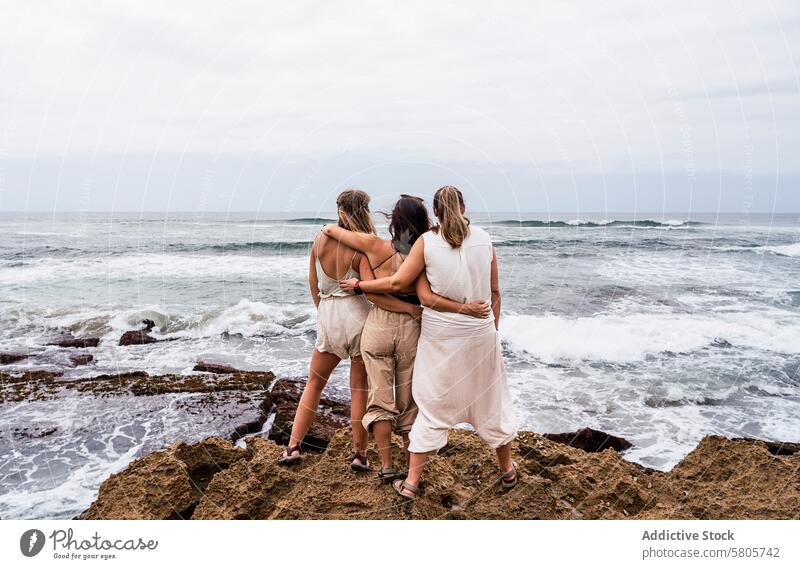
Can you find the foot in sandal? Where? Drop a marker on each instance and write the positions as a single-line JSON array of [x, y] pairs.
[[289, 457], [389, 474], [360, 462], [406, 490], [510, 477]]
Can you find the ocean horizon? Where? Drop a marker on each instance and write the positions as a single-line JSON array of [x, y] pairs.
[[658, 327]]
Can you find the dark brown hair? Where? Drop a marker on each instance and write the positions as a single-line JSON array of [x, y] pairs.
[[408, 220]]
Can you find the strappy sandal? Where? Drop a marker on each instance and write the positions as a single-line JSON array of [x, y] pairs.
[[390, 474], [406, 490], [360, 462], [289, 458], [509, 483]]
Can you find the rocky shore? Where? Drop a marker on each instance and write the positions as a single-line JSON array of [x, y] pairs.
[[579, 475]]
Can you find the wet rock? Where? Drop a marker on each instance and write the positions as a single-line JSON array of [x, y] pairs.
[[332, 415], [210, 367], [72, 342], [81, 359], [135, 338], [140, 336], [41, 385], [590, 440], [11, 357]]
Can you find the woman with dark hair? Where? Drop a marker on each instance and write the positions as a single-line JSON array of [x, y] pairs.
[[340, 321], [390, 335], [459, 375]]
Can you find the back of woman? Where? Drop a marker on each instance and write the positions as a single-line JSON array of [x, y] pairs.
[[462, 274]]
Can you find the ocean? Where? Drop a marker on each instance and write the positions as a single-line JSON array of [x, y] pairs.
[[660, 329]]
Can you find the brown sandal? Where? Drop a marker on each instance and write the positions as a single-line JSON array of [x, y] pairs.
[[406, 490], [360, 462], [288, 458]]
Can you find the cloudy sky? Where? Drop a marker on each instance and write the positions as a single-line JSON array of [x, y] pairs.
[[194, 106]]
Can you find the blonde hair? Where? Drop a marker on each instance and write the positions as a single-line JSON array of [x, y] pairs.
[[453, 226], [354, 211]]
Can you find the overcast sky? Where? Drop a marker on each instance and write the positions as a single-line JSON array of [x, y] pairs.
[[534, 106]]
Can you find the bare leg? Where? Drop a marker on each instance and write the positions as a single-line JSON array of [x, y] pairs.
[[504, 457], [358, 403], [382, 431], [415, 466], [405, 449], [322, 365]]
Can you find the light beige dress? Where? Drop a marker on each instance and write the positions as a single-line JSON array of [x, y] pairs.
[[459, 374]]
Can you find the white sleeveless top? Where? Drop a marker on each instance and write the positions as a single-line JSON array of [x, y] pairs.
[[328, 286], [463, 274]]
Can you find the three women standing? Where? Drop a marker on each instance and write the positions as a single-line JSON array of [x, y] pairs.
[[453, 271]]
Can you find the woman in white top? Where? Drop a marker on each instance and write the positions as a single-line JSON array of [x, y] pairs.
[[459, 374]]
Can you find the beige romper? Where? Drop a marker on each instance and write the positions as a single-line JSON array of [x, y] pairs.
[[340, 316]]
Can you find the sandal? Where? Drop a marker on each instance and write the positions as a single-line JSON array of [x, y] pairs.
[[360, 462], [406, 490], [289, 458], [509, 483], [390, 474]]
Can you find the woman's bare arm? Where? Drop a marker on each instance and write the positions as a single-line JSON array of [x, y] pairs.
[[365, 242], [401, 280], [496, 300], [313, 281], [477, 309], [385, 301]]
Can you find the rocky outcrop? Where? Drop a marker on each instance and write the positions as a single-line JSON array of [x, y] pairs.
[[72, 342], [138, 337], [332, 415], [211, 367], [11, 357], [39, 385], [590, 440], [81, 359], [164, 485], [721, 478]]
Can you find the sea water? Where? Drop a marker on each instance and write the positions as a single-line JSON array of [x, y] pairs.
[[660, 329]]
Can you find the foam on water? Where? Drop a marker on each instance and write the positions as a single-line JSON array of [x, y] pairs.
[[633, 337], [792, 250]]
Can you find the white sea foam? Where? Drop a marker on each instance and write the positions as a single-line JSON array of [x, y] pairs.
[[630, 338], [155, 266], [792, 250]]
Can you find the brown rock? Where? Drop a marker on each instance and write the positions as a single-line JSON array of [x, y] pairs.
[[590, 440], [81, 359], [210, 367], [136, 337], [164, 485], [332, 415], [721, 478], [72, 342], [11, 357]]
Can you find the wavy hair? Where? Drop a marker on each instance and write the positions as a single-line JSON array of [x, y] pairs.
[[354, 214], [448, 203]]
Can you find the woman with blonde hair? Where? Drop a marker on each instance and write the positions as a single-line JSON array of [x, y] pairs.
[[340, 319], [459, 374]]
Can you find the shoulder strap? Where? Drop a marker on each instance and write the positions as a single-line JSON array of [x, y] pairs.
[[386, 259]]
